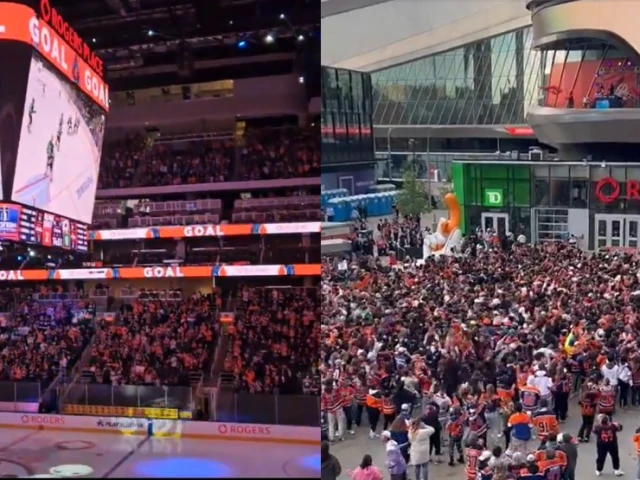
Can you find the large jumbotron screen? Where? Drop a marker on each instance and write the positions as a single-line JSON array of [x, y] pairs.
[[61, 137]]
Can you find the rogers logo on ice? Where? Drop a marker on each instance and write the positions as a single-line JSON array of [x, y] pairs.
[[42, 420], [251, 430]]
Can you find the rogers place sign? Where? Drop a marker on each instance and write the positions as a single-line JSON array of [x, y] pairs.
[[609, 190]]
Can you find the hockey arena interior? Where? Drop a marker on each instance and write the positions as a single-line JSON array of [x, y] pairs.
[[160, 251]]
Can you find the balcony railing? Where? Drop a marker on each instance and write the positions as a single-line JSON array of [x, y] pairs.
[[224, 406]]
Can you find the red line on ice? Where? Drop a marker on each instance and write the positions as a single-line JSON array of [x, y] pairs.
[[29, 185]]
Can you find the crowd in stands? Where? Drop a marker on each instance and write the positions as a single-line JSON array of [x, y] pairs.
[[265, 154], [274, 345], [156, 342], [205, 161], [119, 162], [39, 339], [280, 153]]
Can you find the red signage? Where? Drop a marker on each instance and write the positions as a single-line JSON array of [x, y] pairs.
[[53, 18], [20, 23], [520, 131], [608, 190]]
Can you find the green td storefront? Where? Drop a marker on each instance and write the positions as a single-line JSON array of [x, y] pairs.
[[494, 196]]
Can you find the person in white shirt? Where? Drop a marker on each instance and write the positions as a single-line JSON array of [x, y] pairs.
[[624, 382], [543, 383], [611, 371]]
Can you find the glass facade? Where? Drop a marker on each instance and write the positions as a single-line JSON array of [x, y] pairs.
[[346, 117], [488, 82]]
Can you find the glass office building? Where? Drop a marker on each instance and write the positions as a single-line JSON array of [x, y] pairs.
[[489, 82], [346, 117]]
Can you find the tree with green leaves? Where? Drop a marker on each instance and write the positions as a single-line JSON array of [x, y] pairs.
[[412, 199]]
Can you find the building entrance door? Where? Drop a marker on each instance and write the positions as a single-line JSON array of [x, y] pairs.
[[610, 230], [632, 231], [498, 222]]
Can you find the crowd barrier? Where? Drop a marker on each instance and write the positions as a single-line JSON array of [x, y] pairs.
[[266, 409], [165, 402], [226, 431]]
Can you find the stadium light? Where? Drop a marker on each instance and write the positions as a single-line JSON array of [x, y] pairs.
[[269, 39], [150, 33], [242, 44], [300, 38], [282, 16]]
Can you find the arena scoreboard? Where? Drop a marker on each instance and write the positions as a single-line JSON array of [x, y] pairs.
[[35, 227], [125, 412]]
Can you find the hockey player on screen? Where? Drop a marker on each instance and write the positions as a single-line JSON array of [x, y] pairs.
[[32, 110], [69, 126], [50, 158], [76, 124], [75, 70], [59, 134]]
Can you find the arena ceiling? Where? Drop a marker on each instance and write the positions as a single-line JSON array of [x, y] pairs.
[[132, 33], [369, 35]]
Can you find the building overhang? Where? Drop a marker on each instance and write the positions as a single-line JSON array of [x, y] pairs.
[[453, 131], [562, 126]]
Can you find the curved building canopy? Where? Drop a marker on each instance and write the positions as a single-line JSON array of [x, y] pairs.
[[370, 35]]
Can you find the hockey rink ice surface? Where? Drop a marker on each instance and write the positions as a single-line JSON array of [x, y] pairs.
[[40, 453], [75, 169]]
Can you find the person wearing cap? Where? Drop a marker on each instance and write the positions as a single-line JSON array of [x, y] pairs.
[[532, 470], [484, 470], [395, 461], [567, 445]]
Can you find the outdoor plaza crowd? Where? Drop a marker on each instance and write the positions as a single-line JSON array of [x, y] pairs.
[[274, 342], [477, 358]]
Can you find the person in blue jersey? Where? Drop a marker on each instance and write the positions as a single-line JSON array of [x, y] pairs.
[[520, 426]]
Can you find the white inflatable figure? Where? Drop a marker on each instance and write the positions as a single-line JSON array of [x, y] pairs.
[[447, 235]]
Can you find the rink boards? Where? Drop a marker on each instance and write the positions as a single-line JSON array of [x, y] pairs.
[[163, 428]]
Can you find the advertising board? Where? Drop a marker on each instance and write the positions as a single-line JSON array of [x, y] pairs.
[[141, 426], [207, 230], [133, 273]]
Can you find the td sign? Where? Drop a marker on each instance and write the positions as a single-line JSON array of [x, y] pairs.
[[493, 197]]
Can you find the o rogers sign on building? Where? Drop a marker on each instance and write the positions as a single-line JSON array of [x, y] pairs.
[[609, 190], [54, 39]]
